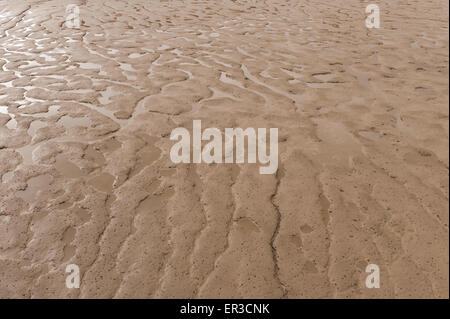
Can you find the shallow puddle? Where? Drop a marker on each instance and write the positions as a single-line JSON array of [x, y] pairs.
[[70, 122], [324, 76], [107, 95], [34, 126], [89, 66], [67, 168], [36, 185], [317, 85], [103, 182], [12, 123], [27, 154]]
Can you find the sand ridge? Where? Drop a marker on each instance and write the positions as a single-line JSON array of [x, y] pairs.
[[85, 121]]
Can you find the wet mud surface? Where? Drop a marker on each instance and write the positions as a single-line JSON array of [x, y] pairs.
[[86, 177]]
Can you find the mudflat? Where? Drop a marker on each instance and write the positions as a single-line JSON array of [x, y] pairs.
[[86, 116]]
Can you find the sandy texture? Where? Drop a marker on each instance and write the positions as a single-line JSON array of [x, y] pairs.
[[85, 121]]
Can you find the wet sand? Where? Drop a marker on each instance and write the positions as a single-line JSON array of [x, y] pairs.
[[86, 177]]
